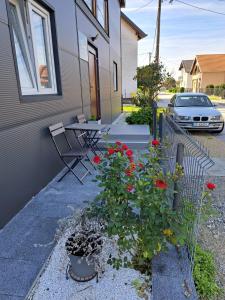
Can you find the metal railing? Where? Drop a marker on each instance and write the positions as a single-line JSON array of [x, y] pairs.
[[179, 147]]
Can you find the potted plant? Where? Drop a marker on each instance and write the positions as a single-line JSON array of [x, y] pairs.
[[93, 120], [83, 247]]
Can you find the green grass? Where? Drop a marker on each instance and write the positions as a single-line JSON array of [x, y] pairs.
[[214, 97], [130, 108], [205, 275]]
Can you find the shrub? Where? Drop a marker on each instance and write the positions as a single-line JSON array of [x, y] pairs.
[[134, 205], [143, 116], [140, 99], [205, 275], [182, 90], [210, 86]]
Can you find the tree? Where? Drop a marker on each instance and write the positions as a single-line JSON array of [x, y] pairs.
[[150, 79], [169, 82]]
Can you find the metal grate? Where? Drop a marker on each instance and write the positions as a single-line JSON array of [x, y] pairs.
[[196, 162]]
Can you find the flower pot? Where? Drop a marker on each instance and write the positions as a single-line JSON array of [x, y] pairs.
[[80, 269]]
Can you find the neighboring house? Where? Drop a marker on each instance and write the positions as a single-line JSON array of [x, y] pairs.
[[185, 77], [208, 69], [130, 35], [57, 59]]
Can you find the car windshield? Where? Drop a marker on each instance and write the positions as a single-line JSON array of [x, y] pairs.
[[185, 101]]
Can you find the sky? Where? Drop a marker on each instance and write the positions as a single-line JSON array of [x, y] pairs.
[[185, 31]]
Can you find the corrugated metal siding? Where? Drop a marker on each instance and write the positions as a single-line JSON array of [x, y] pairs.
[[28, 160]]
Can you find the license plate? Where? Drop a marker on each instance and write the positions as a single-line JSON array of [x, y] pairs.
[[201, 124]]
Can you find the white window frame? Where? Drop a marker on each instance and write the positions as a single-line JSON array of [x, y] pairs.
[[25, 91], [38, 90]]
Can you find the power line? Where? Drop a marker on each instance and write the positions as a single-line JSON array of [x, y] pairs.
[[145, 5], [201, 8]]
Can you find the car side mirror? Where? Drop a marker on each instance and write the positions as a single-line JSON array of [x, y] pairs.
[[170, 105]]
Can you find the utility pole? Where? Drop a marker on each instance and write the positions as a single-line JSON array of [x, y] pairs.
[[158, 31], [150, 57]]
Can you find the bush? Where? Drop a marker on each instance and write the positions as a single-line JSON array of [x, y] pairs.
[[143, 116], [182, 90], [140, 99], [205, 275], [210, 86]]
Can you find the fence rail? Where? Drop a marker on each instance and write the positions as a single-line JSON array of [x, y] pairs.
[[180, 147]]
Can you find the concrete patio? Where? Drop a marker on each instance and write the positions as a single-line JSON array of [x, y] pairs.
[[21, 256]]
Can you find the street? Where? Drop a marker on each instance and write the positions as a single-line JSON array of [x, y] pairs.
[[164, 99]]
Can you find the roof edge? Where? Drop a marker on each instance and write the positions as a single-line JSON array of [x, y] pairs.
[[140, 33], [122, 3]]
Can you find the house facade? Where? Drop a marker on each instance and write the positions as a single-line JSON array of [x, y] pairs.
[[130, 35], [208, 69], [185, 77], [57, 59]]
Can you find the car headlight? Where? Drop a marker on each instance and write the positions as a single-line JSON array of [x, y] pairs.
[[183, 118], [216, 118]]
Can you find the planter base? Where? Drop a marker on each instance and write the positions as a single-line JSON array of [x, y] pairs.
[[80, 279]]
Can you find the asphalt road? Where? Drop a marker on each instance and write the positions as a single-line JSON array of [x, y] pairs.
[[164, 99]]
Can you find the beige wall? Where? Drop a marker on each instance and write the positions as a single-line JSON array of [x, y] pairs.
[[129, 45], [212, 78]]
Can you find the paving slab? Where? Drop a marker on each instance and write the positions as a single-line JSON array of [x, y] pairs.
[[16, 276], [171, 276], [10, 297], [28, 239]]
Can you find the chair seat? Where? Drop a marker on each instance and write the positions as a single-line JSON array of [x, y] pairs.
[[75, 152]]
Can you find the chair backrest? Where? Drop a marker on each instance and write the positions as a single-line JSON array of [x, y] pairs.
[[81, 119], [56, 130]]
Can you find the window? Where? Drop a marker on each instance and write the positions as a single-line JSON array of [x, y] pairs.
[[89, 4], [115, 77], [99, 9], [34, 56]]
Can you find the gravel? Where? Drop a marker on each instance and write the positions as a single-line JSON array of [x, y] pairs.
[[212, 234], [53, 283]]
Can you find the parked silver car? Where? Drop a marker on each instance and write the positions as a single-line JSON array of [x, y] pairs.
[[195, 111]]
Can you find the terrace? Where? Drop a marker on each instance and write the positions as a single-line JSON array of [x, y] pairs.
[[28, 241]]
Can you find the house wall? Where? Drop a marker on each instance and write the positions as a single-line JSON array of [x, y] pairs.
[[129, 42], [28, 159], [212, 78], [196, 82], [186, 81]]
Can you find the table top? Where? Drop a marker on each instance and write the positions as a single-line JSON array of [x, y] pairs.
[[87, 126]]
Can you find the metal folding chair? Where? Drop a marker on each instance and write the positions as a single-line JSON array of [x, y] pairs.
[[72, 152], [92, 139]]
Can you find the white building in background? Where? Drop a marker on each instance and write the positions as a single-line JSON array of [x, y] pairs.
[[185, 77], [130, 35]]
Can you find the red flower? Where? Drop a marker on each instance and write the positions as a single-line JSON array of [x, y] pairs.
[[129, 153], [125, 147], [141, 165], [129, 172], [97, 160], [118, 143], [130, 188], [211, 186], [111, 151], [132, 166], [131, 159], [155, 143], [160, 184]]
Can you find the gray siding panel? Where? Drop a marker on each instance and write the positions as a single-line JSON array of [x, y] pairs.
[[28, 159], [3, 12]]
